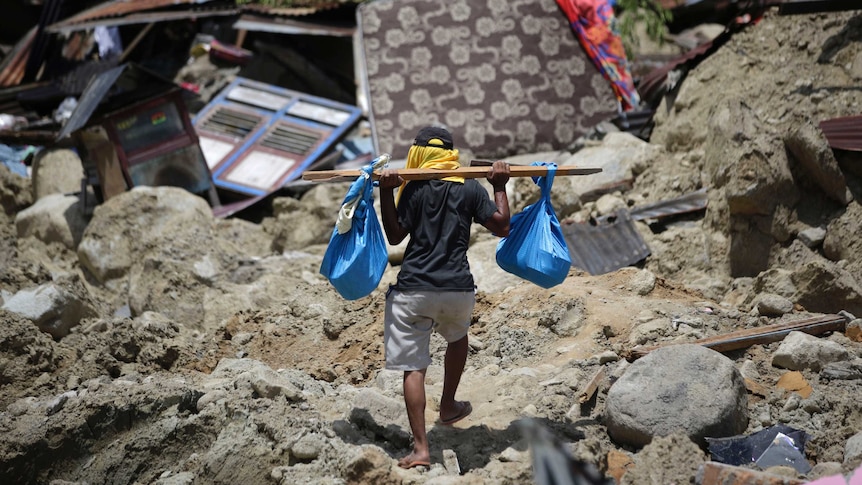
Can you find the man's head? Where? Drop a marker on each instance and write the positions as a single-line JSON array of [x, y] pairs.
[[434, 136]]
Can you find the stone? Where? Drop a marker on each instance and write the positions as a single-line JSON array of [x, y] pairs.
[[51, 307], [810, 148], [812, 237], [53, 218], [685, 389], [643, 282], [853, 451], [771, 305], [800, 351], [56, 171]]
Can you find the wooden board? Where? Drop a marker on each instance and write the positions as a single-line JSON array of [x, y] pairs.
[[431, 174], [745, 338]]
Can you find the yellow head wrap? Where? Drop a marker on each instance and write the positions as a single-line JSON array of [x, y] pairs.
[[434, 158]]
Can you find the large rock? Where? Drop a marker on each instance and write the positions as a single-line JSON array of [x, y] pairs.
[[800, 351], [842, 238], [53, 218], [309, 220], [811, 150], [742, 158], [487, 274], [685, 388], [15, 193], [380, 415], [158, 221], [56, 171], [621, 156], [824, 287], [53, 308]]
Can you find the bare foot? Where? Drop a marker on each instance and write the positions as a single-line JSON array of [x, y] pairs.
[[414, 460], [461, 411]]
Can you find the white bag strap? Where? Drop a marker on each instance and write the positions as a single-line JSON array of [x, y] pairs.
[[345, 213]]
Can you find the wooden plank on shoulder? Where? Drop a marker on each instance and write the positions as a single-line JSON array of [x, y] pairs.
[[432, 174]]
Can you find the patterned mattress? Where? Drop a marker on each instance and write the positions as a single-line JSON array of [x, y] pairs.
[[505, 77]]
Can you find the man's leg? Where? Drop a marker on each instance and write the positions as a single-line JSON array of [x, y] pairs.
[[414, 398], [456, 358]]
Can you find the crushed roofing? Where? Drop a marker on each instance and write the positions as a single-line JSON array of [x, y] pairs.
[[603, 248], [120, 8], [844, 133]]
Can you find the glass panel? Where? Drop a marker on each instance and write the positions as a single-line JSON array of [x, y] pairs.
[[149, 127], [183, 167]]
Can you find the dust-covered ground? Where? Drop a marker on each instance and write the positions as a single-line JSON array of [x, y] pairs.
[[154, 344]]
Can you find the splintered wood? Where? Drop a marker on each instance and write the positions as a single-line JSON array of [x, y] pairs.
[[587, 393]]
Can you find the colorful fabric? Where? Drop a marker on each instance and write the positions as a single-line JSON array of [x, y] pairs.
[[593, 22], [433, 158]]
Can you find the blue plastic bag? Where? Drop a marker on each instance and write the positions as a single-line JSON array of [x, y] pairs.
[[535, 248], [356, 256]]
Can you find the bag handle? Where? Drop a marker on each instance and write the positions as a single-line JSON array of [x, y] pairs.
[[545, 182], [361, 189]]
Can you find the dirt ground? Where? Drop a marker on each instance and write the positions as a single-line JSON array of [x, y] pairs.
[[121, 398]]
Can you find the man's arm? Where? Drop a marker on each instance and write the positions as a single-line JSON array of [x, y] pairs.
[[388, 181], [498, 176]]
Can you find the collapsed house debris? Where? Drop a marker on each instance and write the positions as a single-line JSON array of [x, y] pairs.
[[133, 129], [127, 350], [258, 137]]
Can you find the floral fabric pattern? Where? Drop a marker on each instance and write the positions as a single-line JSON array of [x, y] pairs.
[[504, 77]]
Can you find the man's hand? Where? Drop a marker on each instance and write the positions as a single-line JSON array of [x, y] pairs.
[[498, 174], [389, 179]]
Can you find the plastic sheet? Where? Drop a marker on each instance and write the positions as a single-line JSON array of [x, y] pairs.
[[773, 446]]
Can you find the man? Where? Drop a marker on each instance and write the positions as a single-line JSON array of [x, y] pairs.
[[435, 289]]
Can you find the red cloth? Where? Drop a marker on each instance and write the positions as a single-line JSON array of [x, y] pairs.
[[593, 23]]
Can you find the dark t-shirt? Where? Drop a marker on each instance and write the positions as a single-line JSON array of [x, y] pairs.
[[438, 215]]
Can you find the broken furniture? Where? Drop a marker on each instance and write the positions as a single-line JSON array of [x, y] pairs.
[[132, 129]]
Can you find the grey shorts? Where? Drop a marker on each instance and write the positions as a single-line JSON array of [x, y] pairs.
[[412, 316]]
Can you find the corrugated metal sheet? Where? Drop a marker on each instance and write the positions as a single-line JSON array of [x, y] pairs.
[[296, 11], [692, 202], [603, 248], [844, 133], [286, 26], [654, 84], [90, 99], [124, 12], [119, 8], [145, 18], [13, 65]]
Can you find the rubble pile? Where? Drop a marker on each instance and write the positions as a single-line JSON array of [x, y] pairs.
[[153, 343]]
